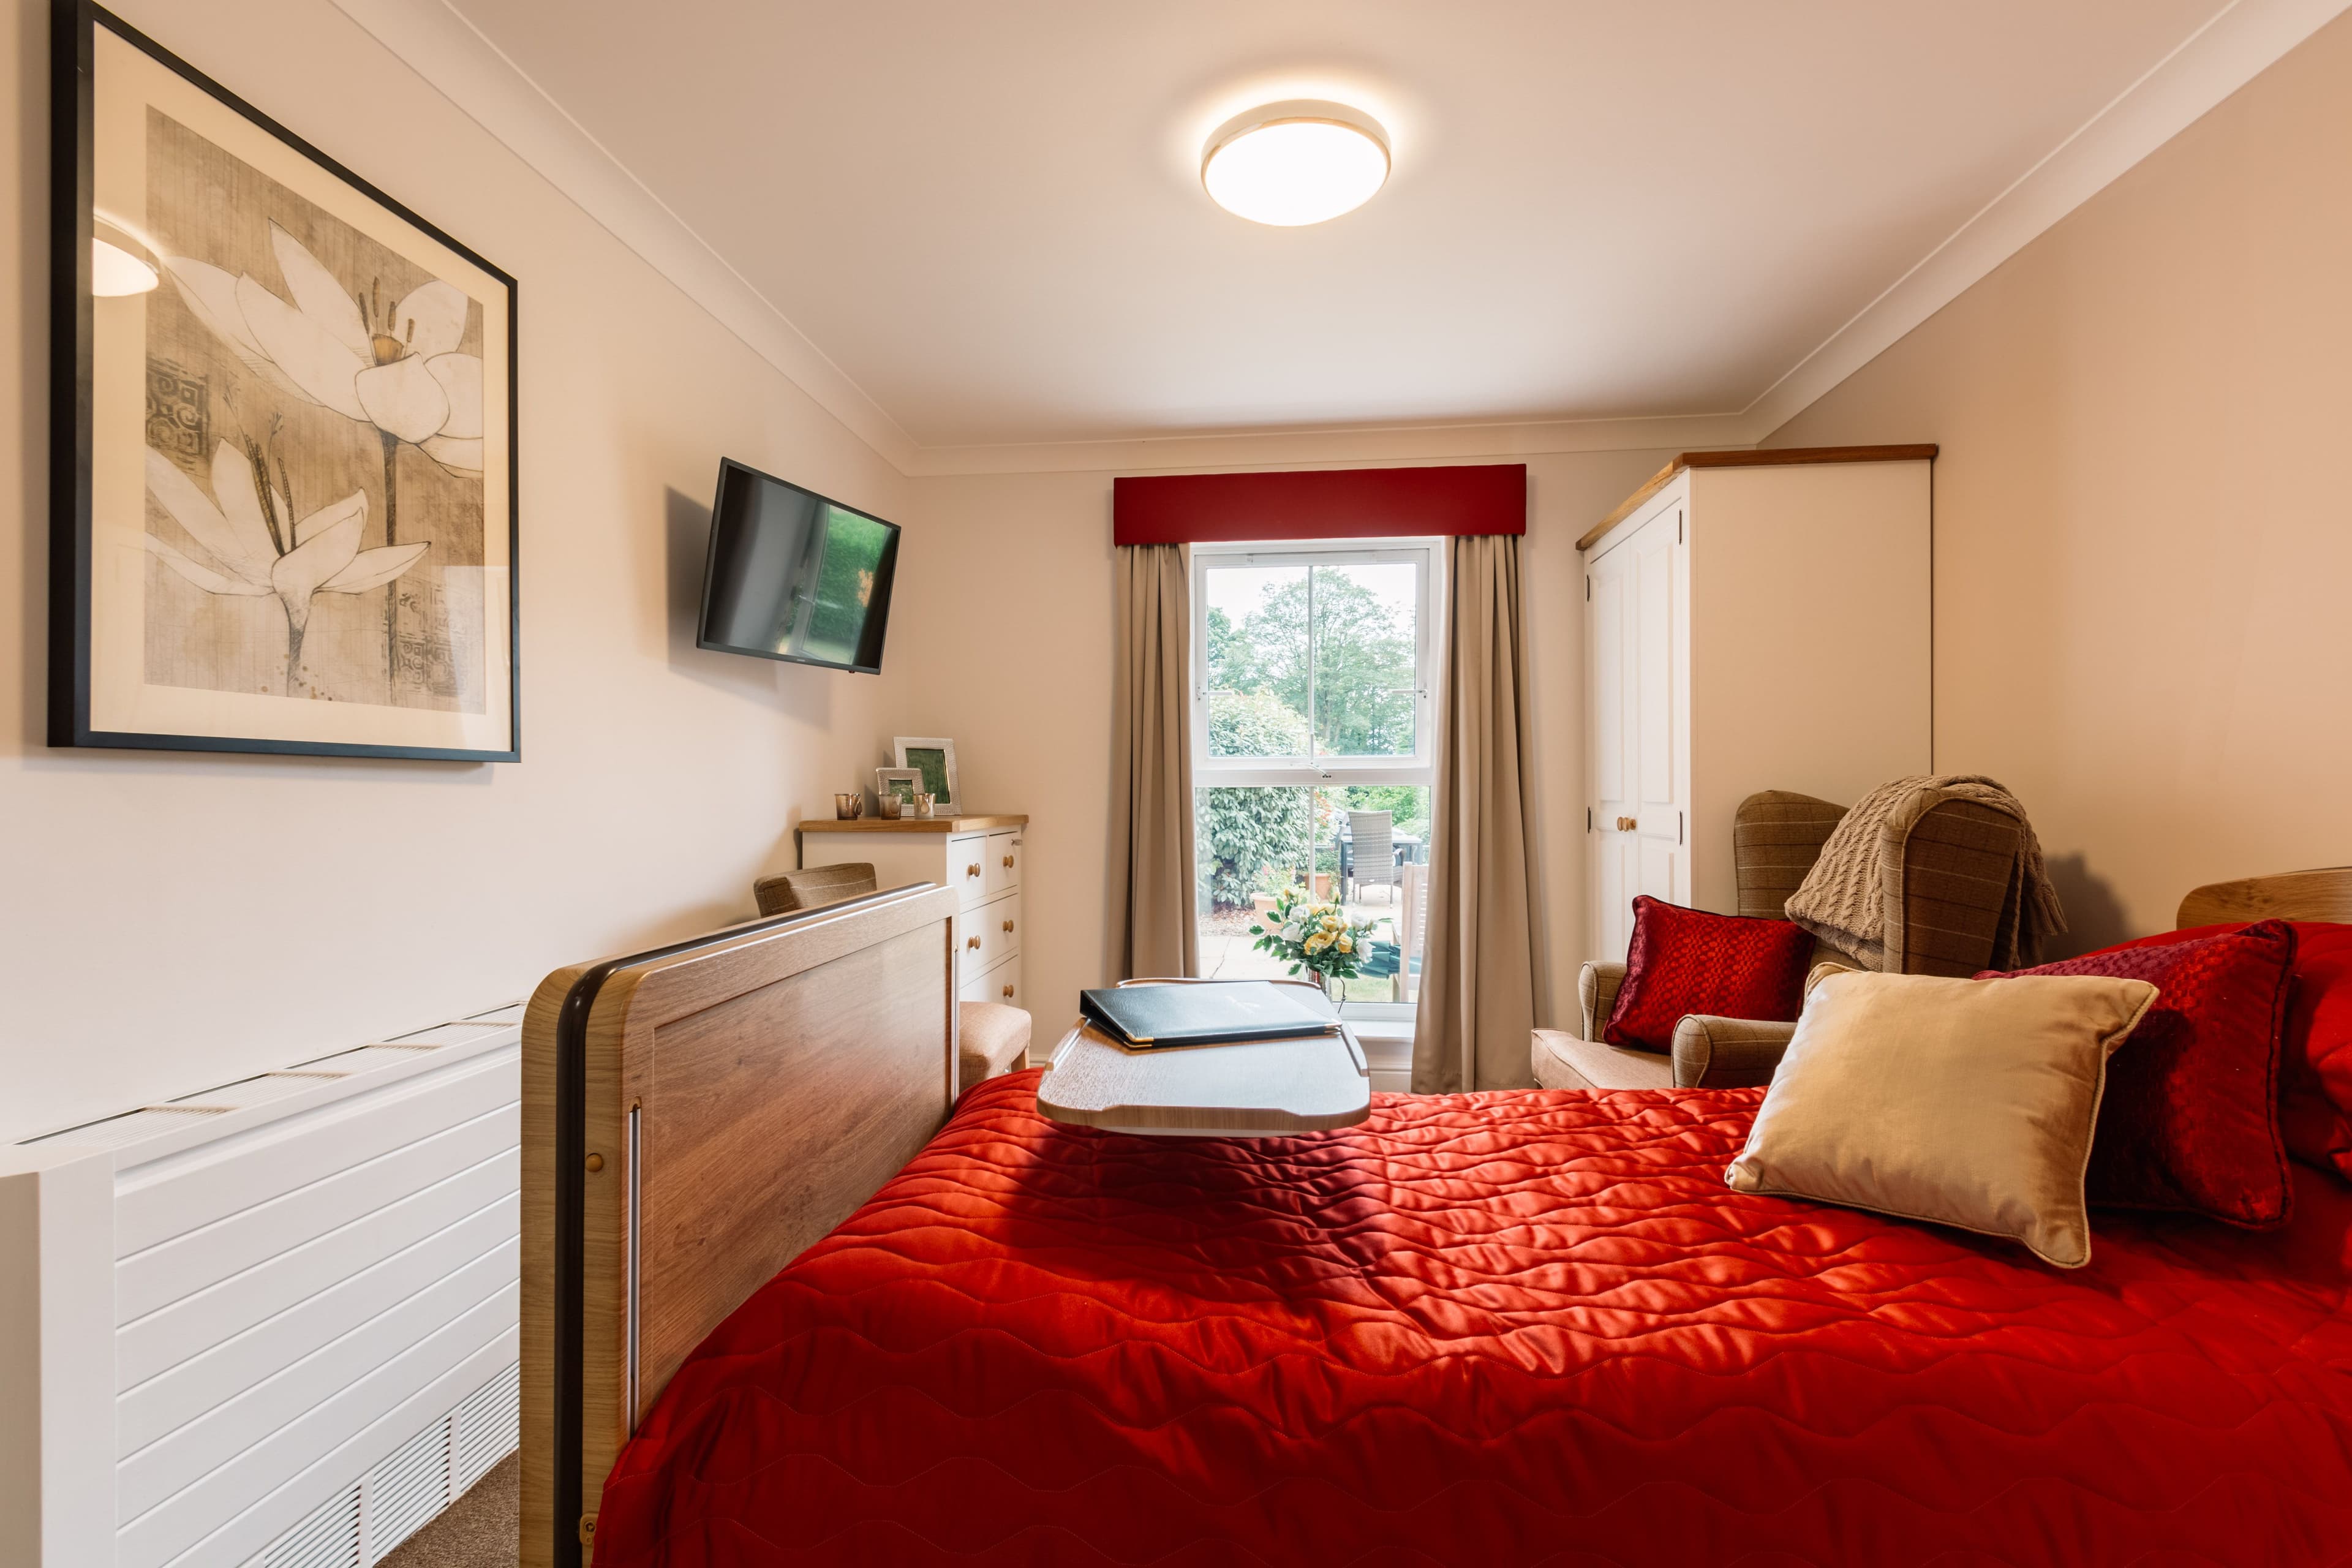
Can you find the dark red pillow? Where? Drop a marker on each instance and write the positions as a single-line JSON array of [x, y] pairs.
[[2189, 1119], [2315, 1047], [1687, 961]]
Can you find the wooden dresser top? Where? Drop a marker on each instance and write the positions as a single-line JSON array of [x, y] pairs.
[[973, 824]]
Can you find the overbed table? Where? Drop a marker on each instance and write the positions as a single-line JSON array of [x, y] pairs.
[[1258, 1088]]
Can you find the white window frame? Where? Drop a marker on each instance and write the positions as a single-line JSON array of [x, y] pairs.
[[1328, 773], [1337, 772]]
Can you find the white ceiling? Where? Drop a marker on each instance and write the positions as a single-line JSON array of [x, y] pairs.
[[989, 217]]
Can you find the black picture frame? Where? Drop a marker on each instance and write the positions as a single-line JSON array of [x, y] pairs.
[[74, 26]]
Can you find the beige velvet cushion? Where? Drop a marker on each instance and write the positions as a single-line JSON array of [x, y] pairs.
[[1560, 1060], [1968, 1102]]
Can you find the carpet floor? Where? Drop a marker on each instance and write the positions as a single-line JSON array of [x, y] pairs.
[[481, 1530]]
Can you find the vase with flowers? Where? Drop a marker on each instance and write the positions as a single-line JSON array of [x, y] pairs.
[[1314, 935]]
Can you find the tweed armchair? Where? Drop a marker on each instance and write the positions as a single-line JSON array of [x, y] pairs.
[[1948, 871], [990, 1038], [813, 889]]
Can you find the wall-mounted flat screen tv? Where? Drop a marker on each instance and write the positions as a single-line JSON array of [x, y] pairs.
[[794, 575]]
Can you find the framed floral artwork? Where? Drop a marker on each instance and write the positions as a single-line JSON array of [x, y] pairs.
[[283, 500]]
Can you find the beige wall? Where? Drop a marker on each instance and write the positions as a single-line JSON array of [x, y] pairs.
[[2141, 561], [2144, 544], [1005, 609], [170, 921]]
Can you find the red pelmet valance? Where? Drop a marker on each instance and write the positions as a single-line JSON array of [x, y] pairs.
[[1320, 504]]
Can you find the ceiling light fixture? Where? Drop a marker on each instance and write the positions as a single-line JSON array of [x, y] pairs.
[[1296, 163]]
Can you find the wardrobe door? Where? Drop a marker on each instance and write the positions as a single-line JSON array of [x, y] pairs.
[[1612, 698], [1658, 598]]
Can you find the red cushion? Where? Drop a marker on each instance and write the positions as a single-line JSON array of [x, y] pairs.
[[2315, 1047], [2189, 1119], [1687, 961]]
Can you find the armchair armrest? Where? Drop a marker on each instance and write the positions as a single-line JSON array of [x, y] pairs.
[[1727, 1053], [1596, 987]]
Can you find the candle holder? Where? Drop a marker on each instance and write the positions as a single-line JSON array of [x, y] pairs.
[[849, 805]]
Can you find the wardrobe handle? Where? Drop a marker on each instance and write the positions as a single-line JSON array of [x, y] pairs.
[[1008, 925], [971, 941], [972, 869], [1008, 862], [1008, 994], [1628, 824]]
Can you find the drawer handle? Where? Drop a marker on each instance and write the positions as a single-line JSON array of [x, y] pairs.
[[971, 941], [1008, 862], [1008, 925], [972, 869], [1627, 824], [1008, 994]]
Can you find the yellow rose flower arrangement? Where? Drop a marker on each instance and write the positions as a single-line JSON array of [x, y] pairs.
[[1313, 934]]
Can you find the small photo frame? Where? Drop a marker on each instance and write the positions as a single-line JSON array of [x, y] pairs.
[[897, 783], [932, 758]]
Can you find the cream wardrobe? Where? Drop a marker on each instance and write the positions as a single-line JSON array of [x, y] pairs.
[[1754, 620]]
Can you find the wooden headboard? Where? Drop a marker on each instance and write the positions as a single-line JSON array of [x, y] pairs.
[[2321, 895], [693, 1118]]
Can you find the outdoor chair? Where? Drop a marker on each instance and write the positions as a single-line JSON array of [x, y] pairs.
[[1371, 853]]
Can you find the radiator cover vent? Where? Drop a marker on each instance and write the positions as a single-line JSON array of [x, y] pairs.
[[328, 1538], [360, 1526]]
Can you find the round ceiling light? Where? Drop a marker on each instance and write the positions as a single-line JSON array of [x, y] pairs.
[[1294, 163]]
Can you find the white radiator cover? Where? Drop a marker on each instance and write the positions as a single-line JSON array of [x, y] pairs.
[[272, 1322]]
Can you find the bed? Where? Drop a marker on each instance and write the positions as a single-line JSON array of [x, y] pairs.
[[1505, 1328]]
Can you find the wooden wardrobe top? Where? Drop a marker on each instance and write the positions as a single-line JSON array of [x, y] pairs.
[[915, 823], [1770, 457]]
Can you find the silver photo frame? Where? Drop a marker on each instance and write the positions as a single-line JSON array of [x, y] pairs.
[[932, 758]]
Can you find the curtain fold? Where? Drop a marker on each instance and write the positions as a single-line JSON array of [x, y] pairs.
[[1479, 966], [1150, 929]]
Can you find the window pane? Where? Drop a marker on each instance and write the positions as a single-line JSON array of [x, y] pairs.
[[1256, 661], [1365, 847], [1365, 689]]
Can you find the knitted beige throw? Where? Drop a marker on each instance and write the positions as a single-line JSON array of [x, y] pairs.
[[1841, 903]]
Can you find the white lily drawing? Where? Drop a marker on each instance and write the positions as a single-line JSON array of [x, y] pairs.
[[394, 366], [254, 546]]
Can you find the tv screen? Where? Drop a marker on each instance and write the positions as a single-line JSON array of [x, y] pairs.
[[793, 576]]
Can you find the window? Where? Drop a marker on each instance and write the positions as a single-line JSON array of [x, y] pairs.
[[1314, 692]]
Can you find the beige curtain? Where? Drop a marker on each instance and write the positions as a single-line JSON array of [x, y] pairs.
[[1150, 925], [1479, 967]]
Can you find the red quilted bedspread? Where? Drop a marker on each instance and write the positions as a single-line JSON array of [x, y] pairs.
[[1528, 1327]]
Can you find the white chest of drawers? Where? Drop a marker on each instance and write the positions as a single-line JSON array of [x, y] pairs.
[[979, 856]]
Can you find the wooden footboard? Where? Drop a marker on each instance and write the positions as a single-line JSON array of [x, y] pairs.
[[693, 1118]]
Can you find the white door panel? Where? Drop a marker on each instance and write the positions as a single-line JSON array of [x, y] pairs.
[[1608, 644], [1608, 647], [1653, 636], [1632, 645]]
